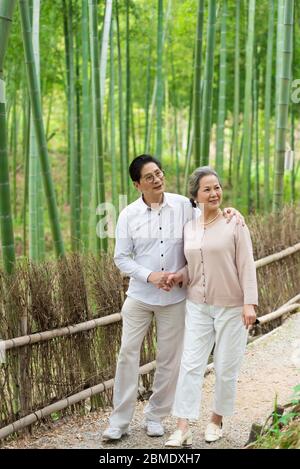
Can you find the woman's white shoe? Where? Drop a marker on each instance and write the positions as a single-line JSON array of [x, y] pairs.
[[213, 432], [178, 439]]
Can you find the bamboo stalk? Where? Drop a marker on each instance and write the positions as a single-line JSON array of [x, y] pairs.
[[295, 299], [104, 47], [256, 130], [26, 138], [293, 177], [197, 83], [6, 223], [190, 136], [208, 83], [67, 87], [279, 42], [236, 107], [147, 97], [277, 256], [283, 103], [248, 115], [222, 94], [114, 184], [14, 153], [73, 150], [94, 47], [160, 84], [123, 156], [34, 167], [278, 313], [177, 165], [268, 100], [86, 160], [61, 332], [39, 129], [127, 92]]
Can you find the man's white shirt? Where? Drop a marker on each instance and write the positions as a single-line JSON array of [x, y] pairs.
[[151, 240]]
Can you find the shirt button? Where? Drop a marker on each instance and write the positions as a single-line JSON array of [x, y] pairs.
[[160, 227], [161, 241], [162, 255]]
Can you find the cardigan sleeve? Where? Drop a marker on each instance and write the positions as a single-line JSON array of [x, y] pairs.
[[245, 264]]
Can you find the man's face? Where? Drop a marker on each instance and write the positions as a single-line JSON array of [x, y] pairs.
[[151, 183]]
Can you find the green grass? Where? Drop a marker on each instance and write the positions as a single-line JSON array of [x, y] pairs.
[[284, 432], [287, 438]]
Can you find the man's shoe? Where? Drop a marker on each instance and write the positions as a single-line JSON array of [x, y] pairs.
[[113, 433], [178, 439], [213, 432], [153, 428]]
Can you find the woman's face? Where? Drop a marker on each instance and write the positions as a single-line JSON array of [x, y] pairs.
[[210, 192]]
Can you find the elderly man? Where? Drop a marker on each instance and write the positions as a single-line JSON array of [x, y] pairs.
[[149, 246]]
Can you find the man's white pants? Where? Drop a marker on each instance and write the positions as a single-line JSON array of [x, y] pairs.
[[204, 326], [137, 317]]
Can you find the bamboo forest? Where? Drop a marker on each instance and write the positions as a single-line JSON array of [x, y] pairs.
[[85, 87]]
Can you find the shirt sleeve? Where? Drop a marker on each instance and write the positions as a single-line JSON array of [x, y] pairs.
[[124, 249], [245, 264]]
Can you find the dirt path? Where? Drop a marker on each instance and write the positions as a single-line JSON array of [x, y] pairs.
[[271, 366]]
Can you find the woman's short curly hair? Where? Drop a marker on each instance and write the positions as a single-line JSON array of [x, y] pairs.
[[196, 177]]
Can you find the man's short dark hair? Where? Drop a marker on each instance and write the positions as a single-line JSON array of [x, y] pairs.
[[137, 164]]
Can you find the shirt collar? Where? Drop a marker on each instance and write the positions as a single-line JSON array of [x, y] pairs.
[[144, 207], [168, 200]]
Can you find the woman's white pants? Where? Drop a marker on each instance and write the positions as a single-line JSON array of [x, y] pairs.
[[206, 325]]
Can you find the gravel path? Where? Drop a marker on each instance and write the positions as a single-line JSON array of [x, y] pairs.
[[271, 366]]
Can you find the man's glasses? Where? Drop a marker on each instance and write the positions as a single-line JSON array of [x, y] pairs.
[[150, 178]]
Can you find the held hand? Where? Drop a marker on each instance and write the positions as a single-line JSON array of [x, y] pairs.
[[158, 279], [231, 212], [173, 279], [249, 315]]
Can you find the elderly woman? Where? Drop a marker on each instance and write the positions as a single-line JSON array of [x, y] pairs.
[[222, 293]]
